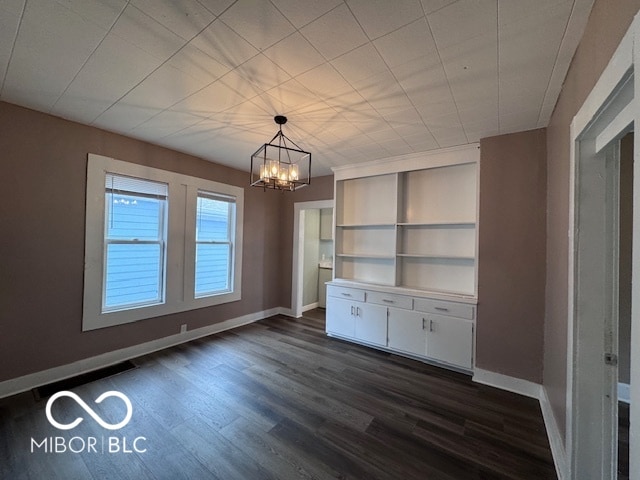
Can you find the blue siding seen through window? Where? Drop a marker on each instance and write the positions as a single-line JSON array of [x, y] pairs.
[[134, 250], [213, 245]]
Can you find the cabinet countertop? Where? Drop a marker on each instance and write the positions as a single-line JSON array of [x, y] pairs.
[[451, 297]]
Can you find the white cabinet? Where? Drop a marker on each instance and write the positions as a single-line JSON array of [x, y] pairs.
[[349, 316], [371, 324], [341, 319], [326, 224], [425, 328], [405, 255], [407, 331], [450, 340]]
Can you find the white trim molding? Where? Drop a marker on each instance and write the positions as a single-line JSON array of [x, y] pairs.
[[556, 440], [505, 382], [27, 382], [531, 390], [604, 116]]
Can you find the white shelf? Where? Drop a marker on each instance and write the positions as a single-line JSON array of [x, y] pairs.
[[369, 225], [365, 255], [452, 257], [437, 224]]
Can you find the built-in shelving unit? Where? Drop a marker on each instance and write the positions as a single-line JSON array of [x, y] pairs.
[[405, 256], [413, 228]]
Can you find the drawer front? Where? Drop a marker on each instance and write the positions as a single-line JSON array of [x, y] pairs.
[[390, 300], [346, 293], [461, 310]]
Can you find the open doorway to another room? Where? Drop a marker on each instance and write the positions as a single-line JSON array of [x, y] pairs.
[[312, 255]]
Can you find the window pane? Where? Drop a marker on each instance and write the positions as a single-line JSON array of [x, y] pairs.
[[212, 219], [133, 274], [133, 217], [212, 268]]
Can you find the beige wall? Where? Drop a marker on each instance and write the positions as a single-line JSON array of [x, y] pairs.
[[608, 22], [511, 256], [42, 210]]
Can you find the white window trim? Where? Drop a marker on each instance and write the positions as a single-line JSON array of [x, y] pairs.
[[180, 255]]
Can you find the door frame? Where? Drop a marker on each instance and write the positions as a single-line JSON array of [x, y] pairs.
[[610, 111], [298, 250]]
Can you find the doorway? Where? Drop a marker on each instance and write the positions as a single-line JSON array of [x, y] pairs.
[[308, 252], [604, 256]]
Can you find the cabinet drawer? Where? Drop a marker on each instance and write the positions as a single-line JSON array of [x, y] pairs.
[[461, 310], [347, 293], [390, 300]]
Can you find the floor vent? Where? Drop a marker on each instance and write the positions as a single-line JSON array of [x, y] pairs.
[[46, 391]]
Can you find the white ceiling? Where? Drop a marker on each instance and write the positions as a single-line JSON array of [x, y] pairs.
[[358, 79]]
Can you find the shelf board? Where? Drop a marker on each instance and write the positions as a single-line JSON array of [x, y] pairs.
[[365, 255], [446, 257], [437, 224], [369, 225]]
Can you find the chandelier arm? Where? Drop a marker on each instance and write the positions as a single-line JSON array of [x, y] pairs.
[[274, 137], [293, 143]]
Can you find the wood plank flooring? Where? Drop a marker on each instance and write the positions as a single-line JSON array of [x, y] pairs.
[[279, 400]]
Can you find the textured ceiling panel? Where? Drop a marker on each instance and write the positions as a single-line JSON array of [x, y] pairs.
[[358, 79]]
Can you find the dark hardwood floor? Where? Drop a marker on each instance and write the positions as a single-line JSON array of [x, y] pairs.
[[623, 441], [279, 400]]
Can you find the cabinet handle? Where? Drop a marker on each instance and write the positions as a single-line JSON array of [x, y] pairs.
[[442, 309], [423, 323], [387, 301], [357, 311], [352, 309], [346, 294], [431, 325]]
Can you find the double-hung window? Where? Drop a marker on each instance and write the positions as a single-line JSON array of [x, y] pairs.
[[157, 243], [215, 216], [134, 243]]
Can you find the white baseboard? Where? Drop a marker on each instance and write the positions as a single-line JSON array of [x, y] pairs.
[[311, 306], [624, 393], [32, 380], [556, 441], [505, 382], [532, 390]]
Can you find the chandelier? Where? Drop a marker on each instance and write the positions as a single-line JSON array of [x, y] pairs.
[[280, 164]]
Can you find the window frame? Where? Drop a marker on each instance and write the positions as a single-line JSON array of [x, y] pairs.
[[179, 274], [161, 242], [229, 241]]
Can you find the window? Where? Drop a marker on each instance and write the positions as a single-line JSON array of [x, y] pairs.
[[157, 243], [134, 258], [214, 243]]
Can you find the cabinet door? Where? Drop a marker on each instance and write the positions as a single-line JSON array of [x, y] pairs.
[[450, 340], [407, 331], [371, 323], [341, 318], [326, 224]]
